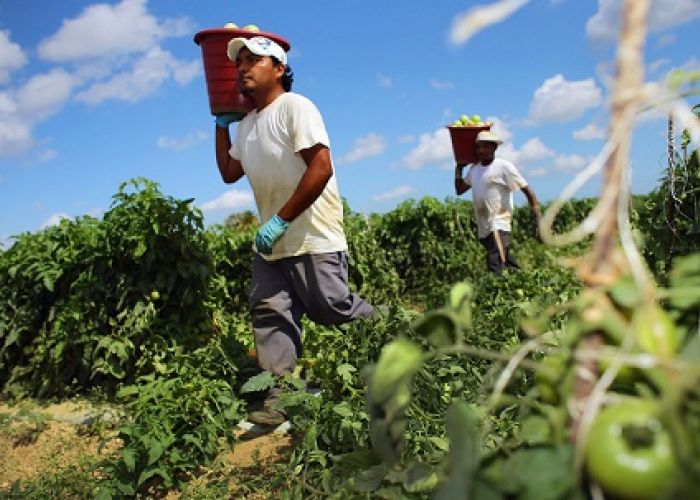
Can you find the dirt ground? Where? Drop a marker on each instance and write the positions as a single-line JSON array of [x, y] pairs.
[[30, 447]]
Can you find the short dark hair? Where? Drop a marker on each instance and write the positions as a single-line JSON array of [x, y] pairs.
[[287, 77]]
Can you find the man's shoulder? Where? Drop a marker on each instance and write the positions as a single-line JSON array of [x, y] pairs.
[[294, 99], [502, 162]]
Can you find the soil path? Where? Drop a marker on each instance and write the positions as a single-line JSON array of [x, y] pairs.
[[37, 439]]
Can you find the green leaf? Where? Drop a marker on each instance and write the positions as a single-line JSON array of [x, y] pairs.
[[11, 338], [149, 473], [625, 292], [460, 301], [343, 409], [140, 249], [384, 446], [259, 382], [155, 451], [535, 429], [360, 459], [440, 327], [399, 360], [439, 442], [345, 371], [463, 432], [48, 282], [370, 479], [419, 478], [543, 473], [129, 458]]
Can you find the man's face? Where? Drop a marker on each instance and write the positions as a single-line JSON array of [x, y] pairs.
[[485, 151], [257, 72]]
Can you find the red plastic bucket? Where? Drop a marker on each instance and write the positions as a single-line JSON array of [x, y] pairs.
[[464, 141], [220, 72]]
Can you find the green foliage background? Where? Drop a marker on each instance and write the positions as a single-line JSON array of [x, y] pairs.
[[148, 308]]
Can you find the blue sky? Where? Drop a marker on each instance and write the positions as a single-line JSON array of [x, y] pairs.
[[93, 94]]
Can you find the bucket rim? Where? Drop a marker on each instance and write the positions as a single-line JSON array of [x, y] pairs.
[[241, 33], [461, 127]]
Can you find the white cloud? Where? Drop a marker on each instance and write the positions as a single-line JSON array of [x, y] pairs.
[[570, 163], [44, 94], [233, 199], [107, 30], [399, 192], [146, 76], [559, 100], [438, 85], [654, 66], [384, 81], [664, 14], [116, 48], [406, 139], [54, 220], [433, 148], [538, 172], [590, 132], [467, 24], [20, 109], [532, 151], [6, 241], [500, 128], [11, 57], [47, 155], [180, 143], [15, 137], [365, 147]]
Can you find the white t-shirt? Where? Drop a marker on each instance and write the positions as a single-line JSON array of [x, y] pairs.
[[492, 194], [267, 144]]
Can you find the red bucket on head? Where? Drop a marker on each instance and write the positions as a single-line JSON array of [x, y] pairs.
[[219, 71], [464, 141]]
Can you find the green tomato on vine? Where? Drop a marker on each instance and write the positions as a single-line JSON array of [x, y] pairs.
[[629, 452]]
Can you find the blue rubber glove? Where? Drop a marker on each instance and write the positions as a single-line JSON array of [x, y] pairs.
[[225, 119], [269, 233]]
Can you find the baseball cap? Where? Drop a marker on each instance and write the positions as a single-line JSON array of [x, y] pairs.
[[488, 136], [258, 45]]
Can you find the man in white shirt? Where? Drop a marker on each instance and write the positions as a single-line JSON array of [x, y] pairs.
[[493, 181], [300, 263]]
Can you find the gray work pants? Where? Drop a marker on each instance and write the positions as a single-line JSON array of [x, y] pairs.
[[493, 256], [284, 290]]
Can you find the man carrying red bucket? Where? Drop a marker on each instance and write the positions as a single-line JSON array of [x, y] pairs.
[[300, 264], [493, 181]]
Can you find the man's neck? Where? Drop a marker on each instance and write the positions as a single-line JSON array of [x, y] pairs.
[[262, 101]]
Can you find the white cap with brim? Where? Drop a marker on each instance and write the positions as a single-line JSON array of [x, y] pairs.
[[488, 136], [258, 45]]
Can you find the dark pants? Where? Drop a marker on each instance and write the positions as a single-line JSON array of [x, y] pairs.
[[493, 257], [286, 289]]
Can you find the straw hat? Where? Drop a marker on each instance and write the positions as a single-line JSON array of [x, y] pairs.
[[488, 136]]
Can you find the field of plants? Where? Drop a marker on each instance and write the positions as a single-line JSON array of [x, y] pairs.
[[576, 377], [464, 386]]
